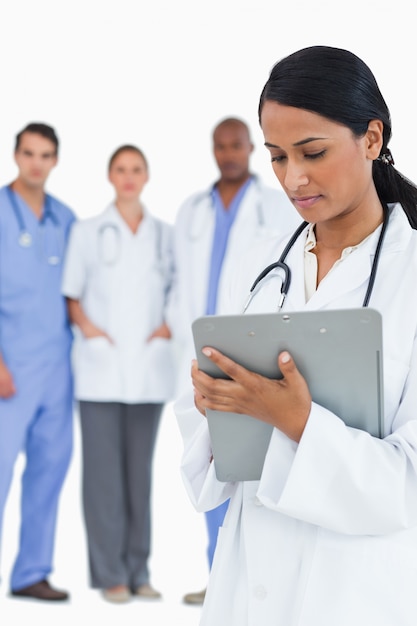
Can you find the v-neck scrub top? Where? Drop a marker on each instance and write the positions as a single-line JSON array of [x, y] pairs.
[[33, 317], [122, 280]]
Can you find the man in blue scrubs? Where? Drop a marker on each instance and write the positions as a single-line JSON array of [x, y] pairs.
[[35, 340]]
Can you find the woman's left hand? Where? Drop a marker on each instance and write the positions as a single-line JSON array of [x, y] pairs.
[[284, 403]]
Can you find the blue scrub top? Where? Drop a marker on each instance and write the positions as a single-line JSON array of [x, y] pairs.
[[223, 224], [33, 315]]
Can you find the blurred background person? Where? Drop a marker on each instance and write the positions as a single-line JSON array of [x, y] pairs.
[[35, 340], [117, 278], [213, 228]]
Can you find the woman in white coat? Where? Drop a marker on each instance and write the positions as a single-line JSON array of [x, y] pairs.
[[117, 277], [328, 535]]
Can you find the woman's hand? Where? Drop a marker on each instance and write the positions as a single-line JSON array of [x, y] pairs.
[[162, 331], [77, 316], [284, 403], [90, 331]]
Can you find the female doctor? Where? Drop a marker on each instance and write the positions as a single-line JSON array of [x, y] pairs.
[[328, 535], [117, 277]]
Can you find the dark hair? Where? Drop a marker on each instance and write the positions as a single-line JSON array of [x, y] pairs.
[[127, 148], [38, 128], [338, 85]]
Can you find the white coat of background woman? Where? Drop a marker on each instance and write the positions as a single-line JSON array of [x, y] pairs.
[[117, 278]]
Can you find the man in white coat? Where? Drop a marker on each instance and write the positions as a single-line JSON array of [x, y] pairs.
[[213, 228]]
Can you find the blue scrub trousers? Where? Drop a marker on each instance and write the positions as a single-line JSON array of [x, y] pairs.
[[38, 422], [214, 519]]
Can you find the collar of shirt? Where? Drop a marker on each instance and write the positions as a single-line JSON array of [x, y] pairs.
[[310, 261], [223, 224], [228, 215]]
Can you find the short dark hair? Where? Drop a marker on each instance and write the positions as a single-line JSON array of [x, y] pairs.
[[38, 128], [127, 148], [232, 121]]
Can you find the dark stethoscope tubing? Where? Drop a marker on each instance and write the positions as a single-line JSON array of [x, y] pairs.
[[281, 264]]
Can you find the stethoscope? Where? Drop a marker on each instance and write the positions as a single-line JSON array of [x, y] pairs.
[[25, 238], [281, 264], [197, 227], [110, 244]]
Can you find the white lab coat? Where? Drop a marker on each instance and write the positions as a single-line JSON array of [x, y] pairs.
[[264, 211], [328, 536], [122, 280]]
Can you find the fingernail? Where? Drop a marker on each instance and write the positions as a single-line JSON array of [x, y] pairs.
[[206, 351], [285, 357]]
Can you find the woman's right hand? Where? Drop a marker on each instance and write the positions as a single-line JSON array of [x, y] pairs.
[[78, 317], [90, 331], [283, 403]]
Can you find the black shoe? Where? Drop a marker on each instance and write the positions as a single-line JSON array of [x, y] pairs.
[[40, 591]]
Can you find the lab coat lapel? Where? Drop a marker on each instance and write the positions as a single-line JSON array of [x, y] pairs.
[[244, 230], [198, 252]]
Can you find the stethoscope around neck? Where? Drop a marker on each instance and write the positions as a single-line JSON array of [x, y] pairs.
[[281, 264], [110, 245], [198, 223], [25, 238]]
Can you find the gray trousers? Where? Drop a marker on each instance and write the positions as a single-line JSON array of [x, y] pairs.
[[118, 442]]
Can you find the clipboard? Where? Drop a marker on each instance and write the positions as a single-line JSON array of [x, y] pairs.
[[339, 353]]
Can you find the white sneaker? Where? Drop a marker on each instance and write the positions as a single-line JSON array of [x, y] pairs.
[[147, 592], [117, 594]]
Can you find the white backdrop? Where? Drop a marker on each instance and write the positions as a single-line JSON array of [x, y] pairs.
[[161, 74]]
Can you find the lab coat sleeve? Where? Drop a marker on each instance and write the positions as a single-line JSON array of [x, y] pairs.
[[74, 271], [197, 469], [343, 479]]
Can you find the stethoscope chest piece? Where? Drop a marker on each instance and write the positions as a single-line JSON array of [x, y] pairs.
[[25, 239]]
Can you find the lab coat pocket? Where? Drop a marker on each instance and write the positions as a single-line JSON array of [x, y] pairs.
[[160, 370], [371, 579], [96, 369]]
